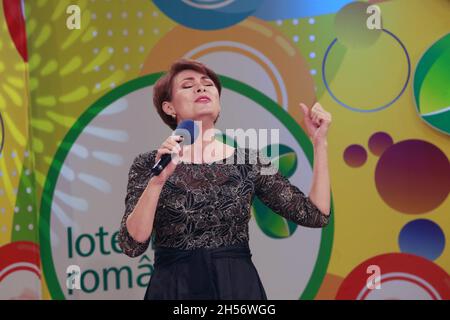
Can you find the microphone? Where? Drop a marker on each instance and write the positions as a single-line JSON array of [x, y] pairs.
[[189, 131]]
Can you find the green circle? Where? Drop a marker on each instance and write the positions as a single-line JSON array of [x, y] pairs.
[[83, 121], [431, 85]]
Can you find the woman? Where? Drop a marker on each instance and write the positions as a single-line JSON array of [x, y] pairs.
[[199, 206]]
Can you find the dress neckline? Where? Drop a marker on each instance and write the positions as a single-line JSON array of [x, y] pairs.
[[212, 162]]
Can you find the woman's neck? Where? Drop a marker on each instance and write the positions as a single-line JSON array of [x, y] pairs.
[[206, 148]]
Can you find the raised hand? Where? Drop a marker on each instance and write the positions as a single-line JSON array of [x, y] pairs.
[[317, 122]]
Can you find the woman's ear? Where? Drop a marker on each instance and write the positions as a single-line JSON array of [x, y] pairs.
[[168, 108]]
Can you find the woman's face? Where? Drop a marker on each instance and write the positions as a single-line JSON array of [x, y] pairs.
[[194, 96]]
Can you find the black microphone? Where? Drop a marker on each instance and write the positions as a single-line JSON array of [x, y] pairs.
[[189, 131]]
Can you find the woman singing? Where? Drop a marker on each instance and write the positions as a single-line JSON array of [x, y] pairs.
[[198, 207]]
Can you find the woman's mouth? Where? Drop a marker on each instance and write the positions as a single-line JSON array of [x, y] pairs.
[[203, 99]]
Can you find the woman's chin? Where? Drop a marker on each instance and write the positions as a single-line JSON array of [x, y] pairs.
[[205, 111], [205, 116]]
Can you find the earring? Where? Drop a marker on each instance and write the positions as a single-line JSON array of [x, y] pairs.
[[173, 116]]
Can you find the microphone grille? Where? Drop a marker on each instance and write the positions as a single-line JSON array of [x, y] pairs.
[[188, 129]]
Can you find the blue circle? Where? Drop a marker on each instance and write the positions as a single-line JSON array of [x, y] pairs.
[[207, 15], [378, 108], [423, 238]]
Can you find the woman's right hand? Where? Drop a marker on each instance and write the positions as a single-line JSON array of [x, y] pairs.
[[169, 146]]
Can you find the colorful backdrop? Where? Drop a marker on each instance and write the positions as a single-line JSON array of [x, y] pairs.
[[76, 108]]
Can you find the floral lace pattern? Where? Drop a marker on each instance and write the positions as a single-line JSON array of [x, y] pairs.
[[208, 205]]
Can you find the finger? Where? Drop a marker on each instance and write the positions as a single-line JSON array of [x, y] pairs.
[[177, 154], [314, 116], [175, 158], [320, 110], [319, 119], [305, 109], [317, 107], [316, 120], [167, 145], [181, 152], [325, 119], [162, 151], [170, 144], [173, 140], [326, 116], [177, 138]]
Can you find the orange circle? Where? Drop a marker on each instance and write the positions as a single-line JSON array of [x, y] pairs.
[[262, 37]]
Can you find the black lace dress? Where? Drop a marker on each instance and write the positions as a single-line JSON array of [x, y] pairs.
[[201, 224]]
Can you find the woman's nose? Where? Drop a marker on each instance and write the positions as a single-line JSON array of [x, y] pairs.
[[201, 88]]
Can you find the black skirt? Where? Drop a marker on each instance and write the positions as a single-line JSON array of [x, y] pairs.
[[224, 273]]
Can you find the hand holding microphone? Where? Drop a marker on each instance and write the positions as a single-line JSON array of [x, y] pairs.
[[165, 165]]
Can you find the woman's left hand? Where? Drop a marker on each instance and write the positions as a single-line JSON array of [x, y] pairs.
[[317, 122]]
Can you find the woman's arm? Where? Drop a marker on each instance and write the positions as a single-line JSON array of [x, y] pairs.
[[317, 122], [288, 200], [140, 222], [142, 197], [284, 198], [320, 189], [140, 207]]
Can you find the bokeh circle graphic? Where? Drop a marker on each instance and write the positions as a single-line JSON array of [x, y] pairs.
[[281, 72], [351, 26], [401, 277], [379, 142], [422, 237], [413, 176], [379, 108], [207, 14], [431, 83], [20, 271], [355, 155]]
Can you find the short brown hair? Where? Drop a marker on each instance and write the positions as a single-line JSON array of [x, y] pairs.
[[163, 87]]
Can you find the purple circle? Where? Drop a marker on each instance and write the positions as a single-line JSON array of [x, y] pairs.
[[355, 155], [413, 176], [379, 142]]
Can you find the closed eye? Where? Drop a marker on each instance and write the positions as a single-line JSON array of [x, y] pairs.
[[190, 86]]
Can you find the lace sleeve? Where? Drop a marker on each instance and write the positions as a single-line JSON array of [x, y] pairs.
[[138, 177], [285, 199]]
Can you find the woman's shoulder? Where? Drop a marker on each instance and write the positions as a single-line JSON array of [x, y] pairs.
[[144, 159]]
